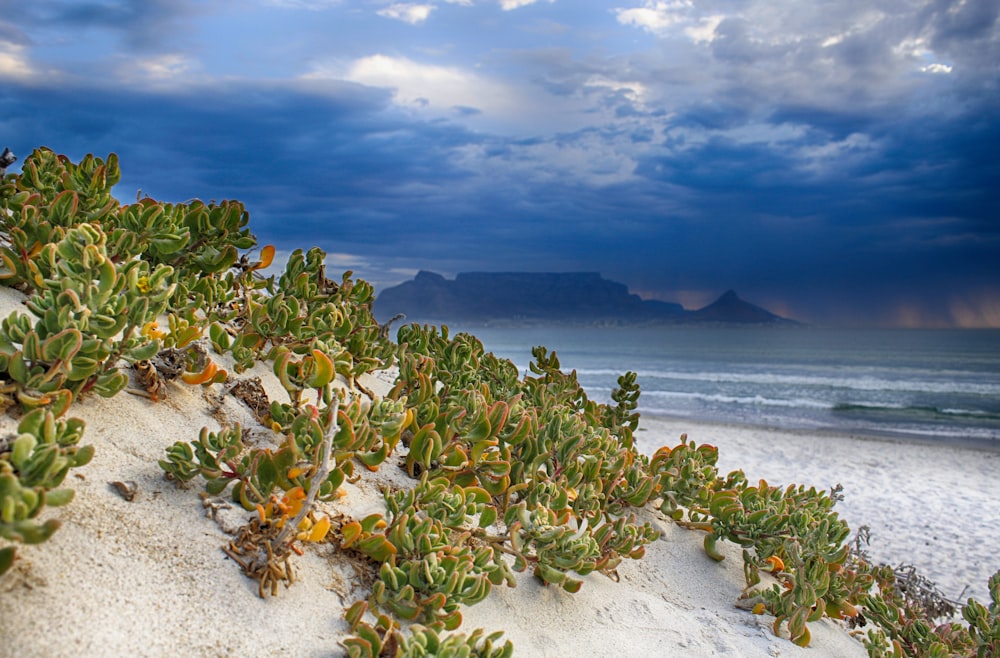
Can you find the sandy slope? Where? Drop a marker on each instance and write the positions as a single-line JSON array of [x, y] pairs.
[[148, 578]]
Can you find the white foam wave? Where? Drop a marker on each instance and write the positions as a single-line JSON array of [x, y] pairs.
[[754, 400], [846, 381]]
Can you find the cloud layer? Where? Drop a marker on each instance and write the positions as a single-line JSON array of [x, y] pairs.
[[835, 161]]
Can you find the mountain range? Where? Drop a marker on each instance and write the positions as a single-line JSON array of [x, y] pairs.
[[550, 298]]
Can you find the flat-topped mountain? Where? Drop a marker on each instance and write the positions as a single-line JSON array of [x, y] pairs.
[[548, 298]]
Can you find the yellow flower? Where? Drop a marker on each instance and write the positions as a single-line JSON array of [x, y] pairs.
[[152, 331], [143, 284]]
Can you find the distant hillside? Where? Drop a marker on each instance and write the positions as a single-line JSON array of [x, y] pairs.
[[519, 297], [730, 309], [548, 298]]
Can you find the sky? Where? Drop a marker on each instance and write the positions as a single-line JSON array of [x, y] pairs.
[[833, 161]]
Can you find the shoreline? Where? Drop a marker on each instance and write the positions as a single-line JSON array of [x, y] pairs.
[[885, 436], [922, 501]]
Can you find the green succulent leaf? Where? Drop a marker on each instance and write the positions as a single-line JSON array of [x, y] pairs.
[[7, 555], [110, 384], [59, 497]]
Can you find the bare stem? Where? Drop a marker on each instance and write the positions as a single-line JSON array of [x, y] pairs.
[[283, 540]]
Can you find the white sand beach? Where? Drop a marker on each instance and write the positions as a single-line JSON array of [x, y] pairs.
[[932, 506], [147, 577]]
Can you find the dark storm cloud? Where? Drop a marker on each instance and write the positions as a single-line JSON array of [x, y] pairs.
[[11, 34], [836, 160], [338, 168], [324, 165], [142, 25], [962, 25]]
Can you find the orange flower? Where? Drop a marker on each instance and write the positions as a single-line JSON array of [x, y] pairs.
[[777, 565]]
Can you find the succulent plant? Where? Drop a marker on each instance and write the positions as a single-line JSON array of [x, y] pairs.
[[222, 460], [984, 621], [385, 639], [51, 196], [792, 533], [281, 483], [560, 469], [430, 561], [686, 475], [89, 312], [902, 626], [33, 465]]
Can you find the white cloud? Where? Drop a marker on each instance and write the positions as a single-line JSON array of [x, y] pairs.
[[911, 47], [410, 13], [656, 16], [13, 62], [705, 30], [416, 83], [159, 69], [917, 49], [633, 91], [429, 88], [592, 158], [864, 23], [510, 106], [936, 68], [311, 5], [662, 18], [507, 5]]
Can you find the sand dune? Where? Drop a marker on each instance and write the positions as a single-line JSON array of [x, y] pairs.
[[147, 577]]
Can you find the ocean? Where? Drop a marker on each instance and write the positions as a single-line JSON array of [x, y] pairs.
[[922, 385]]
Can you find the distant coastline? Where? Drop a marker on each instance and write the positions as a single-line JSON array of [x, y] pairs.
[[519, 299]]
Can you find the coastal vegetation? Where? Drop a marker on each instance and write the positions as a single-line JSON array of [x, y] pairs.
[[509, 474]]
